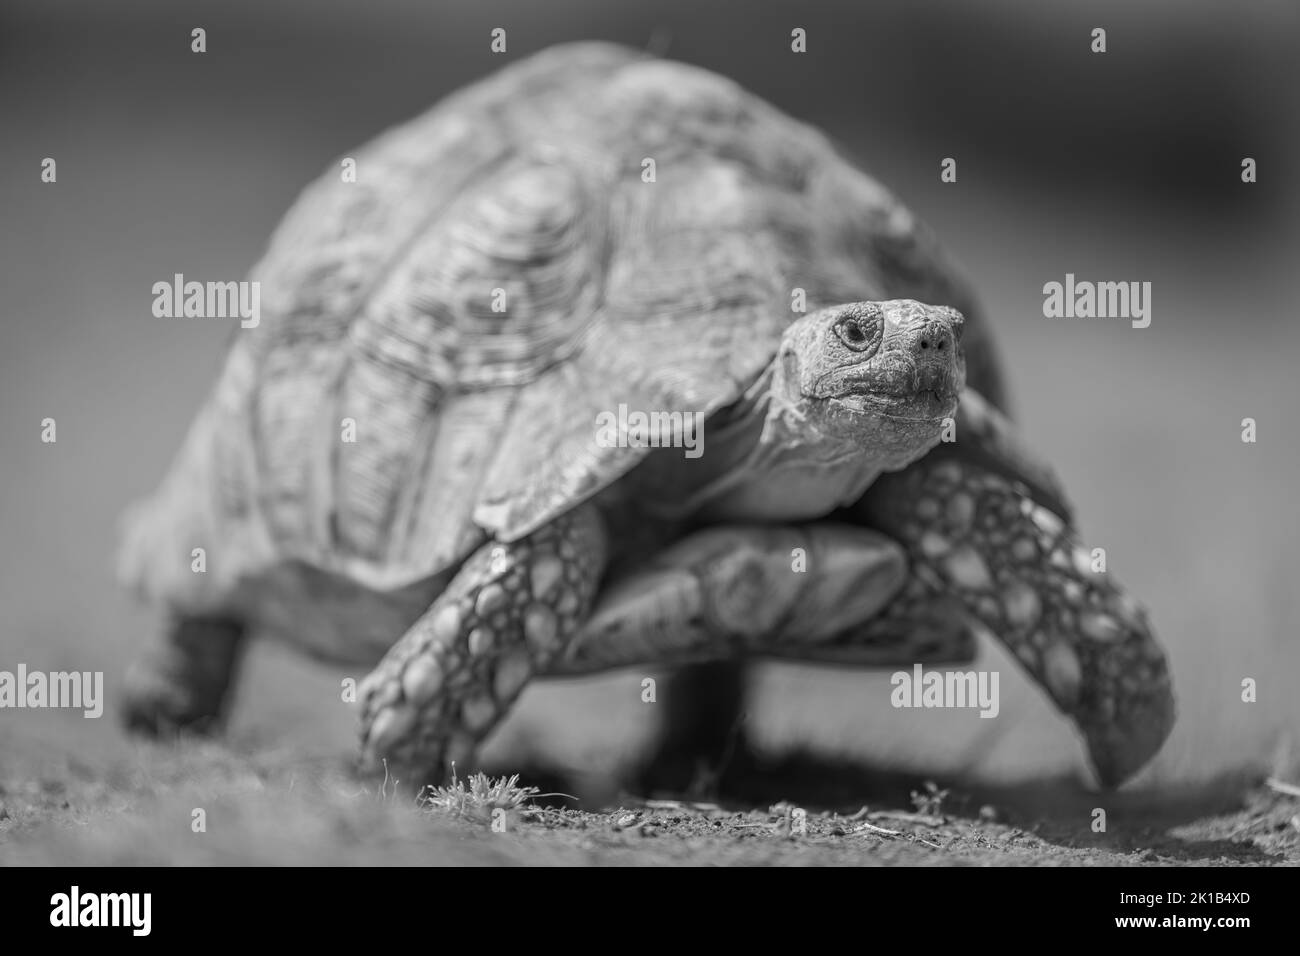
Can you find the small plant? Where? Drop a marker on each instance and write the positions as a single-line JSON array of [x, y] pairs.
[[476, 798], [929, 802]]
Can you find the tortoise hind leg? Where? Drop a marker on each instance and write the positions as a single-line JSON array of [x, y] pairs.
[[670, 612], [702, 732], [722, 594], [918, 627], [184, 682]]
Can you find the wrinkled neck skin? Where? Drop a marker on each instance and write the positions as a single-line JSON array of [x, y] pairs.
[[788, 458]]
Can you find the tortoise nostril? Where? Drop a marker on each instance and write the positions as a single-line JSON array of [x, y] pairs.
[[936, 339]]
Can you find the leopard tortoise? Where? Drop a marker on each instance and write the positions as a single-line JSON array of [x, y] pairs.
[[403, 465]]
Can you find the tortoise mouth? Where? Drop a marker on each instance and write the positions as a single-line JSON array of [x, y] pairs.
[[907, 388], [926, 404]]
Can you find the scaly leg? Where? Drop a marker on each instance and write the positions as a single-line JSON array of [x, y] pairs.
[[1020, 571], [508, 612]]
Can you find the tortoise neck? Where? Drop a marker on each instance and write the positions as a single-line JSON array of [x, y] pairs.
[[770, 463]]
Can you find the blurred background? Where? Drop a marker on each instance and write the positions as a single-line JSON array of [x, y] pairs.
[[1122, 166]]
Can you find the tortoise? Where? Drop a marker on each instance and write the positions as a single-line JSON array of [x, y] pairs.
[[402, 465]]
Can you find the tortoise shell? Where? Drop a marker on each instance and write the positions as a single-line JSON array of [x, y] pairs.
[[585, 228]]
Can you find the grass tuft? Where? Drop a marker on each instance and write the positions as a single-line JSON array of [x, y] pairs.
[[477, 798], [929, 801]]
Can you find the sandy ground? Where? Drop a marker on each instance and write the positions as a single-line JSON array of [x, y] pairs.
[[140, 806]]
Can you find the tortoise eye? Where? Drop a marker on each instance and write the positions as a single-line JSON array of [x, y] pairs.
[[855, 333]]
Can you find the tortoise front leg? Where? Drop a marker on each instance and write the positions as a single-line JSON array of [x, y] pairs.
[[507, 613], [1021, 571]]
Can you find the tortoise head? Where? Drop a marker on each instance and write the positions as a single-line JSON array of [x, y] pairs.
[[882, 375]]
